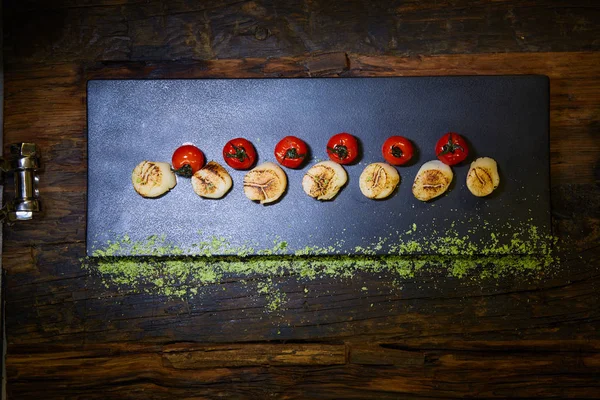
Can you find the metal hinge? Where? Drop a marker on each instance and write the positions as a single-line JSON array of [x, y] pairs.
[[24, 164]]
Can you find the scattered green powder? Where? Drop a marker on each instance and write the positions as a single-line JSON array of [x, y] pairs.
[[523, 252], [276, 299]]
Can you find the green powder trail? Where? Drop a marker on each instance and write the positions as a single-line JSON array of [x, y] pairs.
[[156, 266]]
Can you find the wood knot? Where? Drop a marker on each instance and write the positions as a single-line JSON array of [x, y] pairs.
[[261, 33]]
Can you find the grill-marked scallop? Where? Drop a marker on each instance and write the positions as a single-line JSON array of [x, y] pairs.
[[153, 179], [432, 180], [265, 183], [324, 180], [483, 177], [378, 180], [213, 181]]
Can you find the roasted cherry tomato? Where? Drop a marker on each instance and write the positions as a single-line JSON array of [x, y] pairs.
[[451, 148], [397, 150], [186, 160], [239, 153], [342, 148], [291, 152]]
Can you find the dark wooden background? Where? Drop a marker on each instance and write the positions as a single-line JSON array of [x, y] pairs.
[[435, 337]]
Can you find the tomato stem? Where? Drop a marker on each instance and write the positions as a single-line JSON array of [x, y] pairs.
[[185, 171], [240, 153], [450, 147], [397, 152], [293, 154], [339, 150]]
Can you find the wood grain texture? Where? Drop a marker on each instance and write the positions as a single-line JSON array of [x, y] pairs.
[[483, 370], [120, 30], [69, 336]]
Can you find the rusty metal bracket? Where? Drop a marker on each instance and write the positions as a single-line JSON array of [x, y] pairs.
[[24, 164]]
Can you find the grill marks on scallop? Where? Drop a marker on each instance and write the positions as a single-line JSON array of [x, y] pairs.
[[432, 180], [378, 180], [483, 177], [324, 180], [265, 183], [153, 179], [150, 172], [213, 181]]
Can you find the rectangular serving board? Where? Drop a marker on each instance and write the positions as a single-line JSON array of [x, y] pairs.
[[504, 117]]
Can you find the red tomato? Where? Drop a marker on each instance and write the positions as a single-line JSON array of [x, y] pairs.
[[186, 160], [451, 148], [397, 150], [239, 153], [291, 151], [342, 148]]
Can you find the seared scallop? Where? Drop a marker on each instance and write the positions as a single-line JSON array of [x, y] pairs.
[[265, 183], [213, 181], [483, 176], [153, 179], [432, 180], [324, 180], [378, 180]]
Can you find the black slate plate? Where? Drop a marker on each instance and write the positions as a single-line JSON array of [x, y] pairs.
[[504, 117]]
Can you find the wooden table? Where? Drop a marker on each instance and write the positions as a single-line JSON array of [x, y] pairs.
[[70, 337]]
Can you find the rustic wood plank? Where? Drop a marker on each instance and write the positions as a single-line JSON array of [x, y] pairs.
[[385, 354], [109, 30], [87, 370], [192, 356], [581, 229]]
